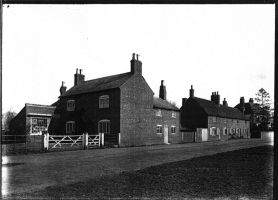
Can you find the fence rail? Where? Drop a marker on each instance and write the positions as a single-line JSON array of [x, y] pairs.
[[46, 142], [9, 139]]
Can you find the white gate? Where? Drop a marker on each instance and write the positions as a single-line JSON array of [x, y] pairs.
[[64, 142], [70, 142]]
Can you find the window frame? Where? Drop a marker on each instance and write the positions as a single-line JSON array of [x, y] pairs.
[[107, 128], [173, 128], [68, 129], [211, 131], [214, 119], [159, 129], [70, 105], [174, 114], [104, 101], [158, 113]]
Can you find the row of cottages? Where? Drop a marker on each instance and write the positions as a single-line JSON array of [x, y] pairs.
[[209, 120], [122, 106]]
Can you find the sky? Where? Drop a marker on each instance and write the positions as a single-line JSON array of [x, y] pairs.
[[224, 48]]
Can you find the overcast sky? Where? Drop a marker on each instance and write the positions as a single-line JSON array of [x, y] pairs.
[[225, 48]]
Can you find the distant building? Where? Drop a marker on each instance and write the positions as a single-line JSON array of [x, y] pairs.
[[121, 106], [209, 120], [33, 119]]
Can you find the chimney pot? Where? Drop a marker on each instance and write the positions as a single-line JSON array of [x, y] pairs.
[[76, 70], [80, 71], [133, 56]]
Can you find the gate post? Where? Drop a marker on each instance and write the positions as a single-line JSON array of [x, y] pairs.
[[119, 139], [102, 139], [85, 141], [46, 141]]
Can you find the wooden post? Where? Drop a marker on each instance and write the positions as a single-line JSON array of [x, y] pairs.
[[46, 141], [102, 139], [85, 141], [119, 139], [99, 140]]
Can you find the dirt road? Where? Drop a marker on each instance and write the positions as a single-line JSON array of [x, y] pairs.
[[25, 173]]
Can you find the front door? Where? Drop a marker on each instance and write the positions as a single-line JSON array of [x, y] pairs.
[[166, 135]]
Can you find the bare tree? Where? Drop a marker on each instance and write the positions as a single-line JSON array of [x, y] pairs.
[[7, 118], [263, 99]]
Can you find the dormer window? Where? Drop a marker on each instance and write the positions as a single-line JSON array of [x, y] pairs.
[[158, 113], [70, 105], [174, 114], [104, 101]]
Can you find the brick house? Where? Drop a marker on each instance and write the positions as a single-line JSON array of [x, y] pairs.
[[209, 120], [33, 119], [122, 103]]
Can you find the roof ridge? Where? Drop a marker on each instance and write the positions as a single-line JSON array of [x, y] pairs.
[[107, 77]]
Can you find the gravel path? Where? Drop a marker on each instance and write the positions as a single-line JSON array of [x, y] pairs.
[[26, 173]]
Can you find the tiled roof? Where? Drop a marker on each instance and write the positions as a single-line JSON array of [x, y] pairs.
[[39, 109], [163, 104], [99, 84], [212, 109]]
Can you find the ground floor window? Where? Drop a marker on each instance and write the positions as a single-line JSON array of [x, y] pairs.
[[70, 127], [173, 129], [104, 126], [225, 131], [159, 129], [213, 131]]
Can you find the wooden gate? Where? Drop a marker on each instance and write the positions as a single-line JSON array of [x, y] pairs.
[[93, 141], [65, 142]]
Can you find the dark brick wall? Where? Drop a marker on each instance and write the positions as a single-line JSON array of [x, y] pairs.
[[87, 113]]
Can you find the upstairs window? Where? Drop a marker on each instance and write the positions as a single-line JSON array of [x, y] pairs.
[[158, 129], [173, 129], [70, 105], [213, 119], [70, 127], [104, 126], [158, 113], [104, 101], [174, 114], [225, 120]]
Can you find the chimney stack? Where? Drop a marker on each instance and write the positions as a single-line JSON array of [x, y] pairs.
[[225, 103], [241, 103], [162, 91], [251, 100], [78, 77], [135, 64], [63, 88], [215, 97], [191, 92]]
